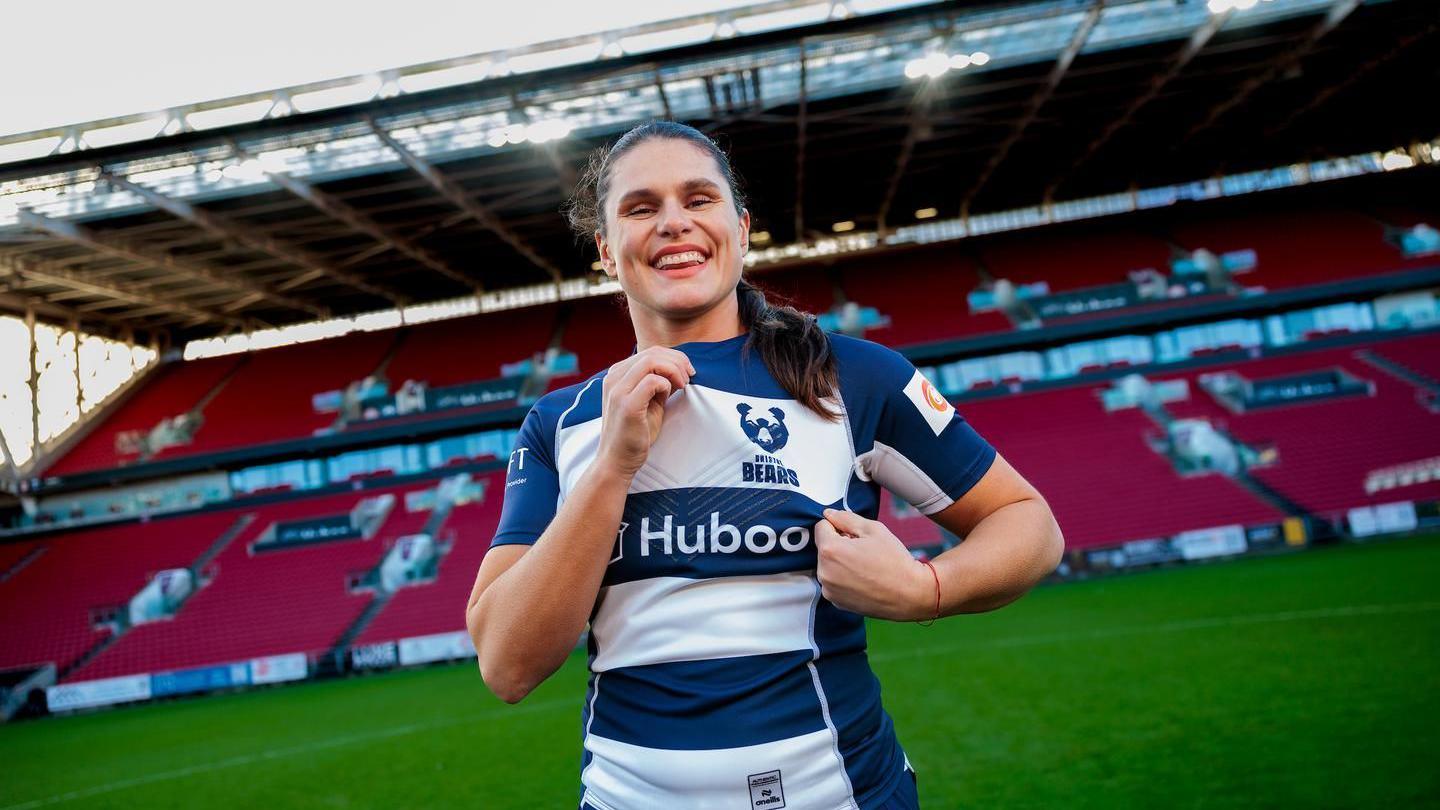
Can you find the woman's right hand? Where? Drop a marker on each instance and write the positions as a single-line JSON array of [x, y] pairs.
[[633, 397]]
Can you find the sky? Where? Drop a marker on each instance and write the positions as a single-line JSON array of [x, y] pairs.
[[84, 60]]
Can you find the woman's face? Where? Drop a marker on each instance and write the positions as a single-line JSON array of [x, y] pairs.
[[672, 236]]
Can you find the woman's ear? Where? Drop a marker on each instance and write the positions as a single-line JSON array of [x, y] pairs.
[[744, 231], [607, 261]]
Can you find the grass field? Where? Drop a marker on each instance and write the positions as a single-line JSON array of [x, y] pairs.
[[1304, 680]]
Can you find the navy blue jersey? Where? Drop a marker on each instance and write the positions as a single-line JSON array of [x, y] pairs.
[[719, 674]]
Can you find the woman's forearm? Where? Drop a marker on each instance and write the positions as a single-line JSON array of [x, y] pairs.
[[527, 620], [1004, 556]]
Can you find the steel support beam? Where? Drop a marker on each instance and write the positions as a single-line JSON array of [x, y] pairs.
[[1061, 67], [915, 127], [451, 190], [1193, 46], [350, 215], [123, 249], [34, 383], [1401, 44], [227, 228], [50, 273], [800, 125], [1337, 13]]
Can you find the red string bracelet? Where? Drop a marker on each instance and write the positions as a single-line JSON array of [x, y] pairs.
[[932, 619]]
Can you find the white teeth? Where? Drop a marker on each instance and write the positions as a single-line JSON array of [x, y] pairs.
[[680, 258]]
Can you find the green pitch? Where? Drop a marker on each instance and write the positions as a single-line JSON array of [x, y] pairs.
[[1304, 680]]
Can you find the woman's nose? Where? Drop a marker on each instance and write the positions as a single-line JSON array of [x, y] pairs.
[[674, 220]]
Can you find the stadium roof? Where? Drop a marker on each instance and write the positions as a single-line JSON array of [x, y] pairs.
[[445, 180]]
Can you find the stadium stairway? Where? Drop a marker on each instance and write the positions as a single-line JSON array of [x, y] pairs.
[[195, 568], [15, 556], [50, 605], [1400, 372], [336, 656], [436, 606]]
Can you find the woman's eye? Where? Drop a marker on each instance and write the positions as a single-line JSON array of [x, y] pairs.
[[639, 210], [699, 201]]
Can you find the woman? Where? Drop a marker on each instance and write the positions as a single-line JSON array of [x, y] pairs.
[[706, 506]]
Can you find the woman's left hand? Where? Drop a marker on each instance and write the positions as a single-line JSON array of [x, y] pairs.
[[863, 567]]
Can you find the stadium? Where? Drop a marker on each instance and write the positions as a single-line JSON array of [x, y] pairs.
[[265, 358]]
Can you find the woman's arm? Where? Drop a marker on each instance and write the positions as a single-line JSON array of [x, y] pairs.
[[1011, 542], [529, 605]]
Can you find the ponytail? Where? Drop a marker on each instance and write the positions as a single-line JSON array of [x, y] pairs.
[[793, 347]]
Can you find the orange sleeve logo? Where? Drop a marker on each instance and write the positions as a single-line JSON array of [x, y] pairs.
[[933, 398]]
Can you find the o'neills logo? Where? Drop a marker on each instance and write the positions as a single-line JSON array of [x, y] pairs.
[[715, 537], [933, 398]]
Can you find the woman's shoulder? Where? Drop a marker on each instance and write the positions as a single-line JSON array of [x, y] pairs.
[[852, 350]]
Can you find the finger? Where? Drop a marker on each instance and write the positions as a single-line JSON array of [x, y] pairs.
[[663, 365], [674, 354], [653, 387], [847, 522], [825, 534]]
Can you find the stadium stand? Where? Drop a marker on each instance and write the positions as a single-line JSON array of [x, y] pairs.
[[806, 288], [1326, 448], [1419, 355], [268, 399], [1074, 258], [469, 349], [438, 606], [12, 555], [922, 292], [255, 604], [598, 331], [49, 619], [1299, 248], [1102, 480], [174, 389]]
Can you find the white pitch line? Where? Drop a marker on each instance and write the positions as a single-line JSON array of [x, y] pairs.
[[922, 652], [278, 753]]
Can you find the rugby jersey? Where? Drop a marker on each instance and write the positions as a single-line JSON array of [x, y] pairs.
[[720, 677]]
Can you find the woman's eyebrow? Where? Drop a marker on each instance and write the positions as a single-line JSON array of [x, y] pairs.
[[694, 184]]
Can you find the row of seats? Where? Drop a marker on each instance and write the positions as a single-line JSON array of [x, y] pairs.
[[269, 603], [1097, 469], [49, 604], [1102, 479], [1328, 447], [256, 398]]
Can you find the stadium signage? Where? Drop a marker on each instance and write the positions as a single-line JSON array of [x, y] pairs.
[[1220, 541], [313, 530], [200, 679], [375, 656], [103, 692], [468, 395], [279, 668], [438, 647], [1081, 302], [1385, 518]]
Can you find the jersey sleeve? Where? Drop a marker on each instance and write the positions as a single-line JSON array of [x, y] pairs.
[[532, 487], [924, 451]]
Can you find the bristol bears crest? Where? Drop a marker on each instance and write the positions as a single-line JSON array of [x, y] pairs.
[[769, 435]]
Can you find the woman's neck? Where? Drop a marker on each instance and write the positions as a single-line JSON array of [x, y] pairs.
[[720, 322]]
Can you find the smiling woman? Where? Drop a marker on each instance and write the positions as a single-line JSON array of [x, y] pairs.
[[707, 505]]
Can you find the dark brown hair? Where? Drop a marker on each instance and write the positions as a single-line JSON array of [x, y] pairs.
[[791, 343]]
